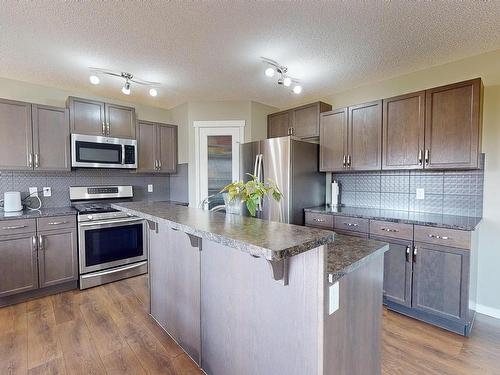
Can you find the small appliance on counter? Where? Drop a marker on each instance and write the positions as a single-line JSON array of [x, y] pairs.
[[335, 195], [12, 201]]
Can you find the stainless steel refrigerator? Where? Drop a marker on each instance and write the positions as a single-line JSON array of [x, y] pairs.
[[293, 165]]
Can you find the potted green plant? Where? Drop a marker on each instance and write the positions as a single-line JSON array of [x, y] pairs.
[[250, 193]]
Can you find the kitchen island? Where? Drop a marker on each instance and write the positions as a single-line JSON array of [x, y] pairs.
[[246, 296]]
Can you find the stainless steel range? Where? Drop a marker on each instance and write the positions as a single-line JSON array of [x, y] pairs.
[[112, 245]]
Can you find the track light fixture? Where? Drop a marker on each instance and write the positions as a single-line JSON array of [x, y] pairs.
[[128, 77], [283, 78]]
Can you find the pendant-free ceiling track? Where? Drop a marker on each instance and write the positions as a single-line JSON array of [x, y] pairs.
[[127, 77], [283, 78]]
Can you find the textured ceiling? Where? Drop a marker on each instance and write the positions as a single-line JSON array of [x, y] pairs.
[[210, 50]]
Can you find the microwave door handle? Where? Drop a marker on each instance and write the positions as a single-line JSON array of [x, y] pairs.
[[123, 154]]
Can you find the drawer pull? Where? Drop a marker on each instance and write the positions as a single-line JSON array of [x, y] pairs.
[[14, 227], [319, 220], [439, 237], [57, 223], [351, 224], [389, 230]]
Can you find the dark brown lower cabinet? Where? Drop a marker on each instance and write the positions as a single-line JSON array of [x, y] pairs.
[[398, 268], [57, 257], [18, 264]]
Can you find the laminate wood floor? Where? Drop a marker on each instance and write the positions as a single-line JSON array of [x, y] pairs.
[[106, 330]]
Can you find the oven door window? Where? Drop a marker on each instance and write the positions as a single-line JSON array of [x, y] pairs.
[[90, 152], [112, 244]]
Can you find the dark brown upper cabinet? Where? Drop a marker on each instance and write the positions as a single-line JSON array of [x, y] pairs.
[[365, 137], [93, 117], [453, 125], [16, 135], [333, 130], [51, 145], [157, 147], [403, 131], [301, 122], [33, 137]]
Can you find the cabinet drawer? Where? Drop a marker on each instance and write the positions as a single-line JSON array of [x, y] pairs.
[[56, 222], [353, 224], [392, 230], [443, 236], [319, 220], [8, 227]]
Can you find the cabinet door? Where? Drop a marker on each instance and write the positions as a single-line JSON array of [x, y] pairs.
[[18, 264], [167, 147], [278, 124], [440, 280], [306, 121], [365, 136], [57, 257], [86, 116], [333, 140], [51, 138], [120, 121], [453, 125], [16, 143], [147, 144], [397, 271], [403, 131], [175, 282]]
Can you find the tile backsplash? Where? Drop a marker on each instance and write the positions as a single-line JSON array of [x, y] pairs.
[[60, 183], [449, 192]]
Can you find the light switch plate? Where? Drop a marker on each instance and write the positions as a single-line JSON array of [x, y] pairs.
[[333, 298], [33, 191], [150, 188], [420, 194], [47, 191]]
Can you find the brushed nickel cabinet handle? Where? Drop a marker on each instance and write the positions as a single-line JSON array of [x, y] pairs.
[[159, 164], [414, 255], [351, 224], [107, 128], [407, 254], [37, 160], [33, 243], [420, 157], [103, 128], [348, 161], [389, 230], [318, 220], [14, 227], [427, 155], [439, 237], [344, 161], [40, 242], [57, 223], [30, 160]]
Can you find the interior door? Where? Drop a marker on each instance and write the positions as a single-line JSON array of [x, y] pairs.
[[120, 121], [276, 166], [333, 140], [86, 116], [365, 136], [219, 162], [51, 143], [16, 142], [167, 147]]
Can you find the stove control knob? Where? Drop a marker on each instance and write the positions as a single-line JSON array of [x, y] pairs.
[[90, 217]]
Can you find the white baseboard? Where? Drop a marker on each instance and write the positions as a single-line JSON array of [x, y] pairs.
[[486, 310]]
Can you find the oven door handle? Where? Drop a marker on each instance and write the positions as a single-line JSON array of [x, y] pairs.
[[97, 223], [113, 270]]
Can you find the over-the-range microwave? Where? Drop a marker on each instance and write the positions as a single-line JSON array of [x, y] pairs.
[[89, 151]]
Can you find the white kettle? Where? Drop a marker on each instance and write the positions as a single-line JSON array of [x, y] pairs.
[[12, 201]]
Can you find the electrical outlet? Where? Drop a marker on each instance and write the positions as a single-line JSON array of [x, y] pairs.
[[47, 192], [150, 188], [420, 194], [33, 191]]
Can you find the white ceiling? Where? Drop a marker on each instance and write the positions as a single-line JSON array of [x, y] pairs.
[[210, 50]]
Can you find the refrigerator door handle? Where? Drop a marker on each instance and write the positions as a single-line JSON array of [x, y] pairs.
[[256, 164], [259, 178]]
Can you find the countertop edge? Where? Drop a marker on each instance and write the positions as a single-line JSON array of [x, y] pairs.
[[36, 214]]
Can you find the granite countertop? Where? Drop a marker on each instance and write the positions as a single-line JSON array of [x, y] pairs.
[[267, 239], [348, 253], [33, 214], [468, 223]]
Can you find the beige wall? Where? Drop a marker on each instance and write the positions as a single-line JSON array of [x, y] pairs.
[[28, 92], [486, 66]]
